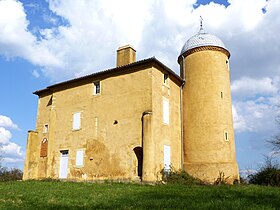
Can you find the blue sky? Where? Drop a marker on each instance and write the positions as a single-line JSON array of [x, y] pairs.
[[44, 42]]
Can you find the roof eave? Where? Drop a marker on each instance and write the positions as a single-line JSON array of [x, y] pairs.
[[110, 71]]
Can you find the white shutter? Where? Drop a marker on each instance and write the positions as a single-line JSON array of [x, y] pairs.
[[166, 158], [165, 106], [79, 158], [77, 121]]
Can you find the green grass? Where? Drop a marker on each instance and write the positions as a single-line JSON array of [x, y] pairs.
[[79, 195]]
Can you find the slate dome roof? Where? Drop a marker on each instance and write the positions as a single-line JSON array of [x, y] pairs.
[[202, 39]]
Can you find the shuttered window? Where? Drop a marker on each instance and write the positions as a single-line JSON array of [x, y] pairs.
[[76, 121], [165, 111], [80, 158]]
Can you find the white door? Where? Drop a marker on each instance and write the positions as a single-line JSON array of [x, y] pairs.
[[166, 158], [63, 164]]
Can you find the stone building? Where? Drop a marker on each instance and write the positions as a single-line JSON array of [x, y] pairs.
[[131, 121]]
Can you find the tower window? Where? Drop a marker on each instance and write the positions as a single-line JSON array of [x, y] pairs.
[[227, 63], [96, 88], [222, 95], [226, 137]]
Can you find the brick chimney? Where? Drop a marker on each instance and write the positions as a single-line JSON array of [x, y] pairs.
[[125, 55]]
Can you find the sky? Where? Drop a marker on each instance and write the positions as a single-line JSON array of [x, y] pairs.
[[43, 42]]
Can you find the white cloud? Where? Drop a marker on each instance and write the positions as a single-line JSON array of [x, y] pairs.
[[12, 149], [256, 104], [240, 124], [249, 87], [17, 41], [5, 136], [7, 122], [96, 28], [9, 150]]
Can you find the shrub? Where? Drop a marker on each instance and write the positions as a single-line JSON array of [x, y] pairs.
[[10, 174], [269, 174], [173, 176], [222, 179]]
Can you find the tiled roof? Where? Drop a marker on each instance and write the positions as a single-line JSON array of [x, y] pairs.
[[110, 71]]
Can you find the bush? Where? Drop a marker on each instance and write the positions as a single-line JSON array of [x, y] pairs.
[[173, 176], [268, 175], [10, 174], [222, 179]]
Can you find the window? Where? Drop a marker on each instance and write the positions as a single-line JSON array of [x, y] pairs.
[[227, 63], [50, 101], [76, 121], [166, 79], [96, 88], [165, 111], [222, 95], [80, 158], [226, 137], [46, 128]]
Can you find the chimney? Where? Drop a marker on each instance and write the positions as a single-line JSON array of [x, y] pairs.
[[125, 55]]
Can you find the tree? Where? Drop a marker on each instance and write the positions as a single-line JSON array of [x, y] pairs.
[[275, 141]]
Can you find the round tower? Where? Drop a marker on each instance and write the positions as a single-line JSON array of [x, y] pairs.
[[208, 135]]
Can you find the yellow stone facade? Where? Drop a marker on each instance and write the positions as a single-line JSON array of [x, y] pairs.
[[208, 125], [120, 123], [130, 122]]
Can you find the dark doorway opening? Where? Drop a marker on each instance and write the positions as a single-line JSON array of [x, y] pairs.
[[139, 154]]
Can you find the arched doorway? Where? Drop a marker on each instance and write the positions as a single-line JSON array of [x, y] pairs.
[[139, 154]]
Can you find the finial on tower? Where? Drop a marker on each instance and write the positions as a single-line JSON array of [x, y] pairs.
[[201, 25]]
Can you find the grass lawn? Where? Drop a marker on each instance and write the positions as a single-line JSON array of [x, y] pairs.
[[79, 195]]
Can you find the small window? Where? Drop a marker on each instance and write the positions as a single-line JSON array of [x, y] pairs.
[[227, 63], [165, 111], [46, 128], [76, 121], [166, 79], [226, 137], [96, 88], [80, 158], [222, 95]]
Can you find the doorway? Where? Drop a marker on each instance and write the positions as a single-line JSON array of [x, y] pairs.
[[63, 164], [139, 154]]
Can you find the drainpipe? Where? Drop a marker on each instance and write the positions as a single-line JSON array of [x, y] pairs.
[[181, 112]]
